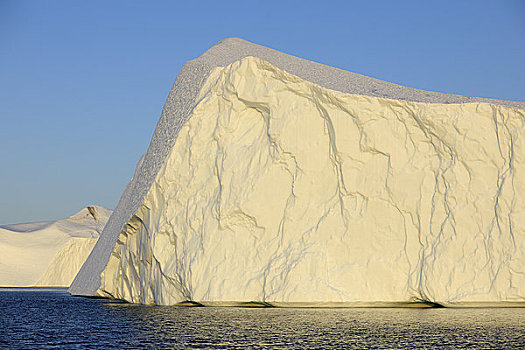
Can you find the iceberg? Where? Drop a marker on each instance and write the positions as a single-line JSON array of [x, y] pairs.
[[273, 180], [49, 254]]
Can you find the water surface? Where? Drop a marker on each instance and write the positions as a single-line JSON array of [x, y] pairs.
[[54, 319]]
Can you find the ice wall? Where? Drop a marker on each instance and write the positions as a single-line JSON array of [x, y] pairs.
[[280, 191]]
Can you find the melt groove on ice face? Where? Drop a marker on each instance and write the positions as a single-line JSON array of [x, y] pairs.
[[278, 190]]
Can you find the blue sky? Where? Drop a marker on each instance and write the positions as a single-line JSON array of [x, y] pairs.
[[82, 83]]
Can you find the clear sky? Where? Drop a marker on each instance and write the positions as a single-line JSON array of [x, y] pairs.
[[82, 83]]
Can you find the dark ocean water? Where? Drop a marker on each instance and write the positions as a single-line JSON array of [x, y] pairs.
[[54, 319]]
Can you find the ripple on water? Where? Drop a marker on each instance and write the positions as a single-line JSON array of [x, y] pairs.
[[54, 319]]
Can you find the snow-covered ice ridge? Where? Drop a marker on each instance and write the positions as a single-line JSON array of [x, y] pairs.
[[49, 254], [273, 179]]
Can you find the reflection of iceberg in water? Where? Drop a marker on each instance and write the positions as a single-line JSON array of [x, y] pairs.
[[271, 179]]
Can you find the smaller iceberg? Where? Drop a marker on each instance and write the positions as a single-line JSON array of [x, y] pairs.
[[49, 254]]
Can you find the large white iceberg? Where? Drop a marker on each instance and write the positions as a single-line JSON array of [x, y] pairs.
[[276, 180], [49, 254]]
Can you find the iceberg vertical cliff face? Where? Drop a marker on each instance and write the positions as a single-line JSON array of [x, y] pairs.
[[178, 109], [279, 190]]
